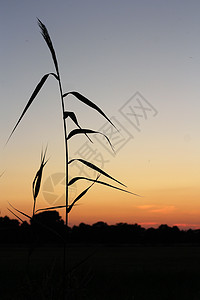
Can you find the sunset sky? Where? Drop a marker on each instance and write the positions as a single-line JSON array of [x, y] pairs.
[[129, 57]]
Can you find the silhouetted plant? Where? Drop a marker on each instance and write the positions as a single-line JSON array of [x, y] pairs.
[[66, 115], [36, 218]]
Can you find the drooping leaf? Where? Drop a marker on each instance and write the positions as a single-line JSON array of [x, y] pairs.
[[72, 115], [73, 180], [34, 94], [81, 195], [47, 39], [15, 215], [90, 104], [85, 131], [50, 208], [21, 212], [94, 167], [43, 225], [38, 178]]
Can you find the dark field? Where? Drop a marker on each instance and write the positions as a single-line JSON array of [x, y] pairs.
[[111, 272]]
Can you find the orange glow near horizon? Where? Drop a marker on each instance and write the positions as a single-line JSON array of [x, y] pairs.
[[169, 192], [101, 204]]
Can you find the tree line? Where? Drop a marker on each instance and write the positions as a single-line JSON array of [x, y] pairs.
[[48, 227]]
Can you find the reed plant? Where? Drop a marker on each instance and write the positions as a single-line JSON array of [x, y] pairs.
[[66, 115]]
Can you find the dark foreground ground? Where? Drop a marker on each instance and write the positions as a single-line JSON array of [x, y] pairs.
[[109, 272]]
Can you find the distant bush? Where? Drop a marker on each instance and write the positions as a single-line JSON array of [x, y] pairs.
[[11, 231]]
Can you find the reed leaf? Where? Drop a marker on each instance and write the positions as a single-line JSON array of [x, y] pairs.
[[81, 195], [72, 116], [90, 104], [73, 180], [38, 178], [15, 215], [85, 131], [21, 212], [50, 208], [94, 167], [43, 225], [34, 94], [74, 119], [47, 39]]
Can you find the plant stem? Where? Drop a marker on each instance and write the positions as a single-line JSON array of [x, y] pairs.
[[66, 150], [66, 186]]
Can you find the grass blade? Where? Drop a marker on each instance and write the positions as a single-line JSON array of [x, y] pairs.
[[85, 131], [74, 119], [50, 208], [47, 39], [34, 94], [92, 166], [36, 221], [43, 225], [72, 116], [15, 215], [38, 178], [73, 180], [21, 212], [90, 104], [81, 195]]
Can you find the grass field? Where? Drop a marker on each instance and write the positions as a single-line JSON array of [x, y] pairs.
[[111, 272]]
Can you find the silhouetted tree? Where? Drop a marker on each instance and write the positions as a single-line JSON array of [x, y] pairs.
[[9, 230], [151, 235], [47, 225]]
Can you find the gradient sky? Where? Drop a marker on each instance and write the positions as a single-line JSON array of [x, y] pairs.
[[108, 51]]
